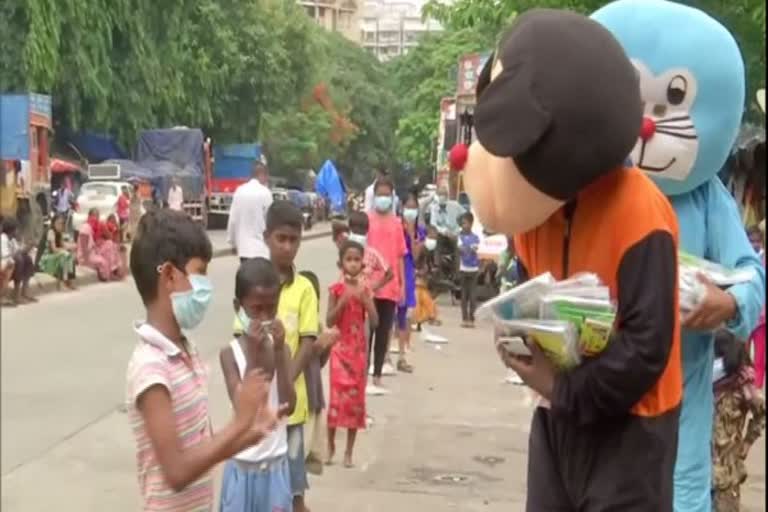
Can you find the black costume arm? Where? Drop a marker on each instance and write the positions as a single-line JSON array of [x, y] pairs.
[[614, 381]]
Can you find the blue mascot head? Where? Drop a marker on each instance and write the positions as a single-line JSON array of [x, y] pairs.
[[692, 82]]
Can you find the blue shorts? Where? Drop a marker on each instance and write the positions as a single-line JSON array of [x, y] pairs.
[[256, 486], [299, 483]]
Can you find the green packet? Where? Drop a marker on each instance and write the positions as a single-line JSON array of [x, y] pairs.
[[557, 339], [573, 309], [594, 336]]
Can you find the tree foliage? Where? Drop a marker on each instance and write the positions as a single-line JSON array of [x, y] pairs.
[[242, 70], [353, 104], [744, 18], [420, 80]]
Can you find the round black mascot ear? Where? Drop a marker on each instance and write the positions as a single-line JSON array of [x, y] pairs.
[[561, 99]]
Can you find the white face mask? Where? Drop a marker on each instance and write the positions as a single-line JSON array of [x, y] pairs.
[[360, 239], [410, 214], [430, 244]]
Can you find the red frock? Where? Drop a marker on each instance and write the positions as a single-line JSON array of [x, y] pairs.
[[348, 371]]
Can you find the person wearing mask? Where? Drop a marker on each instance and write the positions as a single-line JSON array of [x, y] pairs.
[[245, 229], [368, 205], [442, 217], [175, 196]]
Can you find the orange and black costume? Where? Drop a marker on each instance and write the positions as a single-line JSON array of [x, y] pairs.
[[595, 445], [559, 109]]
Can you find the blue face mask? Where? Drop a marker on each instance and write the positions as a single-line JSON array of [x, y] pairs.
[[383, 204], [360, 239], [189, 307], [410, 214]]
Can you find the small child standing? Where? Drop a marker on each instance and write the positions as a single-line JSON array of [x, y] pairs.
[[426, 309], [315, 426], [166, 379], [385, 234], [738, 404], [414, 244], [469, 266], [349, 302], [258, 479], [376, 271], [298, 311]]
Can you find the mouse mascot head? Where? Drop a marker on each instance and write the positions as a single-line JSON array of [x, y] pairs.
[[558, 106], [692, 82]]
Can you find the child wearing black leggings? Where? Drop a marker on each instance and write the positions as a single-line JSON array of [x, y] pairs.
[[385, 235]]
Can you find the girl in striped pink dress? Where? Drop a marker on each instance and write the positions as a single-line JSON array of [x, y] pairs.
[[166, 379]]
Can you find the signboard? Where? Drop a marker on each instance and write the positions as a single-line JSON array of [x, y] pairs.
[[104, 171], [470, 67]]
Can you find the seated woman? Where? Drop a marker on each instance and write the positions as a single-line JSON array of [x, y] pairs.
[[6, 265], [96, 250], [58, 257], [112, 228], [23, 266]]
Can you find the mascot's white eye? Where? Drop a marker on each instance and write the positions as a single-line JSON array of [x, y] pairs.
[[676, 90]]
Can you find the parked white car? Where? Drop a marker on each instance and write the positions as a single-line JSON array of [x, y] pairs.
[[97, 194]]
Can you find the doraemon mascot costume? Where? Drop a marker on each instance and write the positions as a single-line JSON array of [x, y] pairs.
[[692, 82]]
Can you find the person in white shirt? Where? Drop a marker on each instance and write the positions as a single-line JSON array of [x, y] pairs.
[[247, 216], [368, 205], [175, 196]]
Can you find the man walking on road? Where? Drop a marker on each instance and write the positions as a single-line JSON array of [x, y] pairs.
[[176, 195], [245, 229]]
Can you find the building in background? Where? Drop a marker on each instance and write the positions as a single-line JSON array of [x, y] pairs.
[[389, 28], [335, 15]]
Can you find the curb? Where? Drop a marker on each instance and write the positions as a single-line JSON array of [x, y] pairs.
[[43, 284]]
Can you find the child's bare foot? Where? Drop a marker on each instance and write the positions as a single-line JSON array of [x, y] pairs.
[[348, 461], [331, 453]]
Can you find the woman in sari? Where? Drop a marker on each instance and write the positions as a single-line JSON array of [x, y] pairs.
[[58, 257], [95, 248]]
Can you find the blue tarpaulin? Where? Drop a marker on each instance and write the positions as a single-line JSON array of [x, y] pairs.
[[174, 152], [235, 160], [14, 127], [96, 148], [329, 185]]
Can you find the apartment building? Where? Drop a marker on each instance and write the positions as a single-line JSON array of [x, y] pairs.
[[335, 15], [389, 28]]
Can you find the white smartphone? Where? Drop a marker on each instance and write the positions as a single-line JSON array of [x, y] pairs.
[[513, 345]]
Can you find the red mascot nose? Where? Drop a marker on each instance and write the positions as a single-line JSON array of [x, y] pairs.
[[647, 129], [457, 157]]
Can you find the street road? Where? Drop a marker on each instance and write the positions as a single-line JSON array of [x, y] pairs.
[[451, 437]]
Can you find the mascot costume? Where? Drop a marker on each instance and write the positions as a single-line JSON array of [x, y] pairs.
[[692, 81], [558, 111]]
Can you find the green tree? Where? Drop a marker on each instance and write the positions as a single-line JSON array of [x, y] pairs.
[[420, 79], [120, 66], [745, 19]]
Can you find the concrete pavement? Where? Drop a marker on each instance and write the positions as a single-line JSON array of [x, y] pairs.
[[451, 437]]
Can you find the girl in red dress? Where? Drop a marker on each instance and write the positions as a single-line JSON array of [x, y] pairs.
[[349, 301]]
